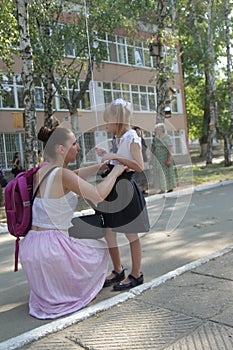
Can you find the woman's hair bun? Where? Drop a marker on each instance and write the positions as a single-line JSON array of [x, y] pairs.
[[44, 133]]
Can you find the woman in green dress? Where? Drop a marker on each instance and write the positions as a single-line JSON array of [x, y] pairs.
[[164, 175]]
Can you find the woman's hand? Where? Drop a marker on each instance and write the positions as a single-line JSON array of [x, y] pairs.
[[118, 169], [104, 155]]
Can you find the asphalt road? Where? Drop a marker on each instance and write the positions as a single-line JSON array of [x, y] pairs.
[[185, 227]]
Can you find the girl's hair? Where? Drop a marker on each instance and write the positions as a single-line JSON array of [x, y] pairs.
[[119, 112], [53, 137]]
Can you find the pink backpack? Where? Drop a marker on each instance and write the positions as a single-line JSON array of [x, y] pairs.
[[19, 198]]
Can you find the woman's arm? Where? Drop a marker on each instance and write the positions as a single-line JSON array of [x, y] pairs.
[[94, 193], [153, 147], [90, 170], [169, 156]]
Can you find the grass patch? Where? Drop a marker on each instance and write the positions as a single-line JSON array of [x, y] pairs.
[[204, 174]]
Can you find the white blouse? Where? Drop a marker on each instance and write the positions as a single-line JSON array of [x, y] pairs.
[[124, 145]]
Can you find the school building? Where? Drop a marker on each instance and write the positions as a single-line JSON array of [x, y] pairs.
[[128, 72]]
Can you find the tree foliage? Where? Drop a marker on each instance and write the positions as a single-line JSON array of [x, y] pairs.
[[193, 33], [62, 27], [9, 37], [82, 27]]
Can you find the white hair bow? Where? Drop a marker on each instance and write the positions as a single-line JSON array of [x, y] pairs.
[[121, 101]]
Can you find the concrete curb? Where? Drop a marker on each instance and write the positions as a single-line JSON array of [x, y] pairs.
[[188, 190], [104, 305]]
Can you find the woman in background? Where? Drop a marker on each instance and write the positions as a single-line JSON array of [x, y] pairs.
[[164, 176]]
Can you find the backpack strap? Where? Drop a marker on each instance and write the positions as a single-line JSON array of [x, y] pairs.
[[50, 182], [43, 178]]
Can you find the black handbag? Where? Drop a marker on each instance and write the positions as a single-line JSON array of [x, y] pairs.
[[87, 226]]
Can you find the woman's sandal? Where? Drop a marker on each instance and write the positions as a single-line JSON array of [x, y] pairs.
[[133, 283], [119, 276]]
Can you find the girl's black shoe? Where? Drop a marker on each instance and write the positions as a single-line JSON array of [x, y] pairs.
[[133, 283], [119, 276]]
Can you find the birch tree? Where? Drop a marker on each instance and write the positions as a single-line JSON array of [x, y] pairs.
[[211, 82], [226, 135], [164, 42], [161, 74], [201, 27], [214, 121], [28, 84]]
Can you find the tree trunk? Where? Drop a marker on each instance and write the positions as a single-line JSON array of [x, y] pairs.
[[31, 144], [161, 89], [212, 85], [47, 76], [206, 120], [76, 131], [48, 100], [211, 136], [227, 150], [227, 153], [161, 74]]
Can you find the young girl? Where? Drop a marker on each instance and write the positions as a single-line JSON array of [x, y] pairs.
[[124, 209]]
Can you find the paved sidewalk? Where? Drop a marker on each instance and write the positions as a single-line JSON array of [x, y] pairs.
[[186, 309]]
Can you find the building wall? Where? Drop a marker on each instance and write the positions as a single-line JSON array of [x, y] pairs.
[[91, 120]]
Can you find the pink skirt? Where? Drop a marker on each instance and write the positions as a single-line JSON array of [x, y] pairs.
[[64, 273]]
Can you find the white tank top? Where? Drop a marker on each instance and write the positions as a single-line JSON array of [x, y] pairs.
[[54, 212]]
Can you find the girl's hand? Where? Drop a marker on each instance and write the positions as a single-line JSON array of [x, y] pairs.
[[100, 151], [104, 166]]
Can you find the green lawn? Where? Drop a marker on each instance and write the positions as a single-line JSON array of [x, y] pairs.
[[202, 174], [197, 172]]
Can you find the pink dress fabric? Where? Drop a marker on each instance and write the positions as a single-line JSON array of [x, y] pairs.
[[64, 273]]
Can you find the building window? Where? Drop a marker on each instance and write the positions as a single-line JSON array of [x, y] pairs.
[[88, 144], [142, 97], [138, 57], [9, 144], [125, 50], [69, 49], [19, 91], [174, 105], [39, 93], [7, 98], [13, 93], [122, 50], [83, 104], [39, 98]]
